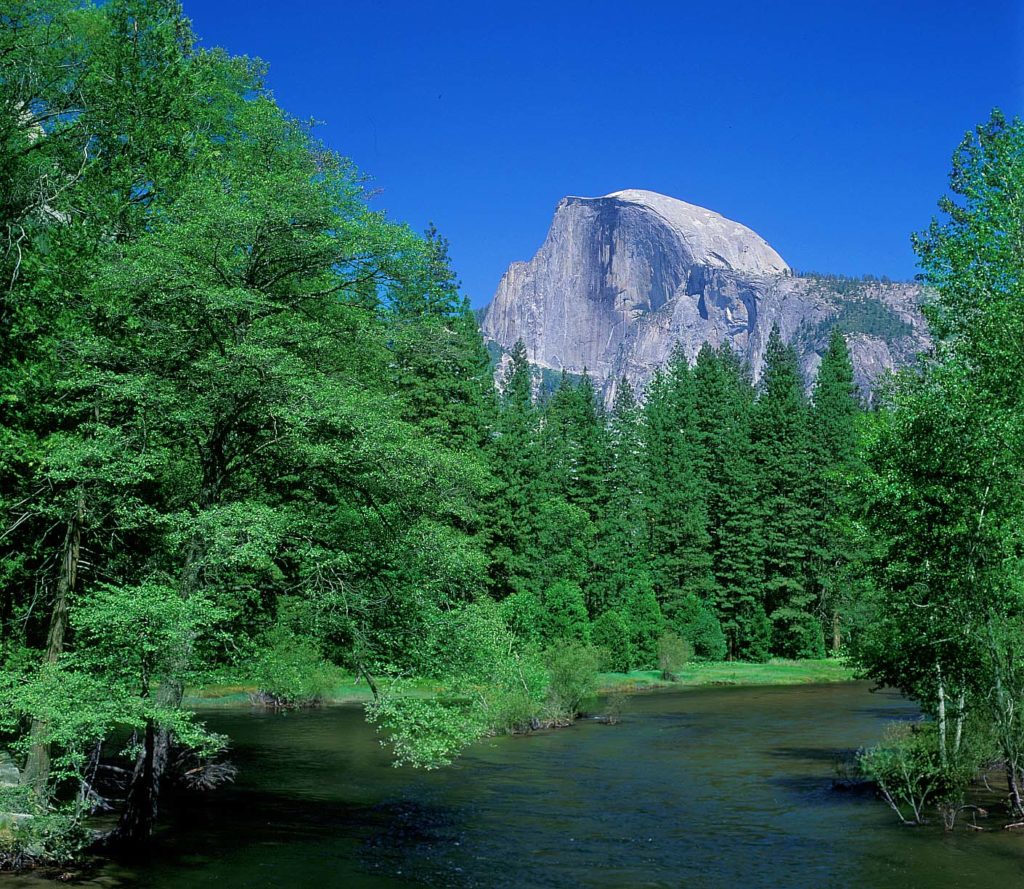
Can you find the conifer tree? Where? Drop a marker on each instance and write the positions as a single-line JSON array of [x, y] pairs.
[[785, 458], [725, 399], [513, 462], [679, 556], [441, 367], [620, 558], [835, 414]]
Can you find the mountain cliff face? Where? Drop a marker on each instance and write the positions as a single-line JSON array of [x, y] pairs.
[[621, 279]]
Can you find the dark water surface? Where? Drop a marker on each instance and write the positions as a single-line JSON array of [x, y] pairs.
[[727, 787]]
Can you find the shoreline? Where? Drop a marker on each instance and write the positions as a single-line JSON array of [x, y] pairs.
[[776, 672]]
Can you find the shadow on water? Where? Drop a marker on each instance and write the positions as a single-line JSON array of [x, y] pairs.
[[816, 754]]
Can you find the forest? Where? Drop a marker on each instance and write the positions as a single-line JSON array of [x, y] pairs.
[[249, 427]]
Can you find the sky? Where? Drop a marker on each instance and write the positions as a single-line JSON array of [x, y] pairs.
[[827, 127]]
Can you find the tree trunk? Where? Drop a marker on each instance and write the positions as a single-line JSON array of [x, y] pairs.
[[135, 827], [941, 716], [138, 819], [960, 714], [139, 816], [1013, 783], [837, 636], [37, 763]]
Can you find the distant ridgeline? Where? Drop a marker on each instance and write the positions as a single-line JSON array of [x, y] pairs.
[[621, 280]]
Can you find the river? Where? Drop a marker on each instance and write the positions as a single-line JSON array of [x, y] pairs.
[[723, 787]]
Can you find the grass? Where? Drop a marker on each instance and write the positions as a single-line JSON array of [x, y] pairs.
[[775, 672], [234, 693]]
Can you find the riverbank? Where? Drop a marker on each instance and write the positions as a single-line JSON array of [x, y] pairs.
[[695, 675], [718, 673]]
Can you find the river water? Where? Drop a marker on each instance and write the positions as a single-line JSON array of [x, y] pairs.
[[724, 787]]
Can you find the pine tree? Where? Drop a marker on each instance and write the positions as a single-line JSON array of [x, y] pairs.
[[674, 460], [835, 414], [724, 401], [620, 555], [785, 458], [513, 461], [441, 367], [574, 444]]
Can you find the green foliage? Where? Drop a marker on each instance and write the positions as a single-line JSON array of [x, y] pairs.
[[524, 615], [676, 482], [32, 836], [621, 545], [564, 614], [612, 634], [572, 670], [227, 384], [697, 624], [645, 621], [486, 684], [942, 487], [782, 439], [871, 317], [724, 401], [289, 671], [674, 653], [915, 778]]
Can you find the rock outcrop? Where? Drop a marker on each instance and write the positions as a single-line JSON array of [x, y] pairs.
[[621, 279]]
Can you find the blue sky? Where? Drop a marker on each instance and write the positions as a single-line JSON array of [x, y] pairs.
[[826, 127]]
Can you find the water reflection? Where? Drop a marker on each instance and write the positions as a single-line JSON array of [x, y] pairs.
[[707, 788]]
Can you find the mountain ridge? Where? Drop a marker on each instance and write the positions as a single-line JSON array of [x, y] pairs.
[[621, 278]]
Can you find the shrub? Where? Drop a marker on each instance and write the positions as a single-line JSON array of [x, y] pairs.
[[698, 625], [911, 776], [673, 654], [647, 623], [611, 634], [486, 684], [572, 677], [290, 671], [32, 834]]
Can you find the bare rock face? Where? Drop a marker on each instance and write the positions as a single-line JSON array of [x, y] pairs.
[[622, 278]]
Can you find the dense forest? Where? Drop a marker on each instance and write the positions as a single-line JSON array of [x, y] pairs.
[[248, 427]]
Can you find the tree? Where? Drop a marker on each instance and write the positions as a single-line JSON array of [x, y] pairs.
[[441, 366], [781, 436], [943, 481], [218, 424], [676, 490], [835, 440], [620, 556], [514, 462], [724, 407]]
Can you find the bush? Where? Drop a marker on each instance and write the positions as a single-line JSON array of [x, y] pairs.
[[647, 623], [486, 684], [611, 634], [673, 654], [290, 672], [572, 677], [698, 625], [910, 775], [31, 834]]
